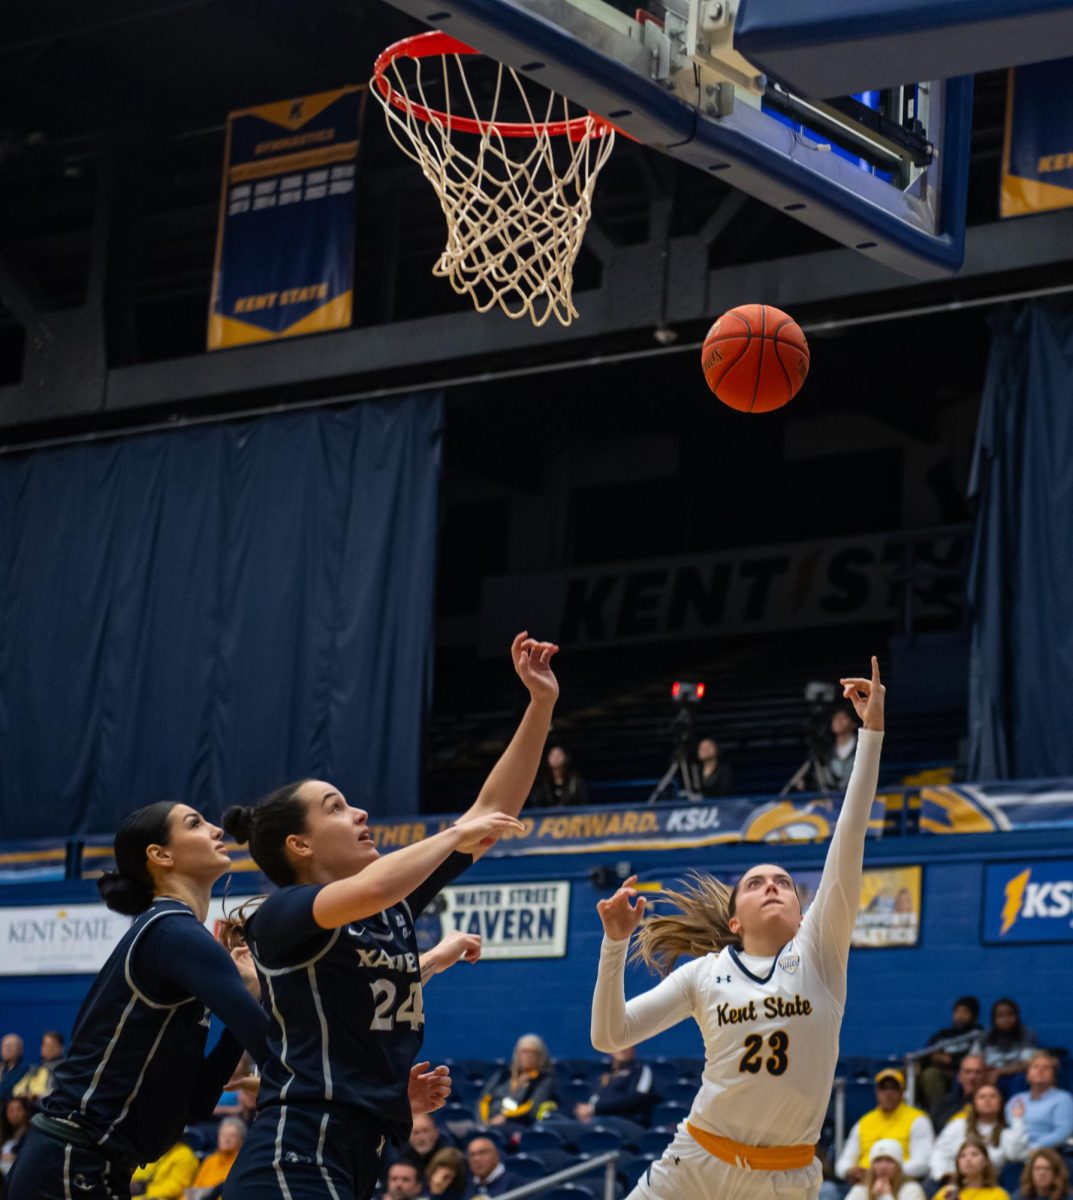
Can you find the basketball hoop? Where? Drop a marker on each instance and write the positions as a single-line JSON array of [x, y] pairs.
[[516, 194]]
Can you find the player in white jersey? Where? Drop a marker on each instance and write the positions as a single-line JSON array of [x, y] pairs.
[[767, 989]]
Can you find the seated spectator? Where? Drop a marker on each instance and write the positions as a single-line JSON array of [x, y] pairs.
[[625, 1091], [524, 1093], [12, 1065], [215, 1167], [716, 775], [974, 1176], [36, 1084], [425, 1142], [487, 1175], [14, 1123], [1005, 1143], [884, 1179], [1045, 1177], [403, 1182], [833, 772], [971, 1075], [559, 785], [1047, 1110], [445, 1175], [961, 1037], [168, 1177], [1007, 1046], [893, 1119]]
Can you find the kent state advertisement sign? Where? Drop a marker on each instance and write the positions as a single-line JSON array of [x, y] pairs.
[[1028, 902]]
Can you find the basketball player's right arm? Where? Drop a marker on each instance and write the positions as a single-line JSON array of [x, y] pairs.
[[392, 878], [617, 1024], [830, 919]]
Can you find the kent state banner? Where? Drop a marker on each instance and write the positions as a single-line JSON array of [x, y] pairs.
[[285, 240], [1028, 902], [1037, 154]]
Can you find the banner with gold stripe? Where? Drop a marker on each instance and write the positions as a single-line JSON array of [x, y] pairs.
[[285, 239], [1037, 154]]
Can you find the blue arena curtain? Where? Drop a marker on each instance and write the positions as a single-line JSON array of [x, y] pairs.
[[205, 614], [1021, 579]]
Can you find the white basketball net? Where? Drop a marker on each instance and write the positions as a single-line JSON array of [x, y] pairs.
[[516, 206]]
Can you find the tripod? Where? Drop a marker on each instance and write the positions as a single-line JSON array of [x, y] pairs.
[[813, 766], [680, 765]]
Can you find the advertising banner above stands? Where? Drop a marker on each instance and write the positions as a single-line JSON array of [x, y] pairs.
[[792, 586], [1028, 902], [514, 920], [952, 808]]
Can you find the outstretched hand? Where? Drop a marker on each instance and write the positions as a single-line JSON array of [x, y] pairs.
[[481, 832], [532, 662], [428, 1090], [620, 917], [867, 696]]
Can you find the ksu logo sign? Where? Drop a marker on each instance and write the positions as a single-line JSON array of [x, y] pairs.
[[1029, 902]]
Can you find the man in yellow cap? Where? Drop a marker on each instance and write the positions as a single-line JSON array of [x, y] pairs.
[[891, 1118]]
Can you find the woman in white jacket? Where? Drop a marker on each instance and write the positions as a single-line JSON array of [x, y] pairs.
[[884, 1179], [985, 1118]]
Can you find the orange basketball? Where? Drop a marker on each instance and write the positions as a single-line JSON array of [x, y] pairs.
[[755, 358]]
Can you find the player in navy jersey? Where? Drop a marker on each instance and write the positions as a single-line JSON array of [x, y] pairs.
[[137, 1071], [336, 949]]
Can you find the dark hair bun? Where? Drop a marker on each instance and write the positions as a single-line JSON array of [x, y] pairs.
[[123, 894], [238, 821]]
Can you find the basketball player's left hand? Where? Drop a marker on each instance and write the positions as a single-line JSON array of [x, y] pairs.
[[532, 661], [867, 696], [455, 947], [428, 1090]]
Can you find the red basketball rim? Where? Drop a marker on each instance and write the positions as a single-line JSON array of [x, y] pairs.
[[436, 45]]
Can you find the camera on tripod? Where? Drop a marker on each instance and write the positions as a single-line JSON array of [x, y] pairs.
[[684, 693], [820, 697]]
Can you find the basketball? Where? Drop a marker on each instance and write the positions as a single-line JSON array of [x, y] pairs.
[[755, 358]]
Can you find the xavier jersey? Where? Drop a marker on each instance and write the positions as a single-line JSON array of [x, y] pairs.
[[136, 1071], [770, 1026], [346, 1005]]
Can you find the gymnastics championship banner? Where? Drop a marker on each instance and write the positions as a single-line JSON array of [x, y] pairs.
[[1037, 152], [514, 920], [1028, 902], [285, 239]]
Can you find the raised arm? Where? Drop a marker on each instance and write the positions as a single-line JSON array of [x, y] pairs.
[[617, 1024], [511, 780], [392, 878], [833, 913], [453, 948]]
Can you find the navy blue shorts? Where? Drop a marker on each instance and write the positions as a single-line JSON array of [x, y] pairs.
[[303, 1153], [49, 1169]]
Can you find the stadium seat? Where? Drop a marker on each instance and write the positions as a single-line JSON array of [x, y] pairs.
[[679, 1093], [528, 1166], [570, 1191], [576, 1092], [628, 1130], [536, 1141], [667, 1116], [653, 1142], [598, 1140], [630, 1170]]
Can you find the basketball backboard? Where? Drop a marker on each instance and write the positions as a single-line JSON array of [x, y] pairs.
[[883, 171]]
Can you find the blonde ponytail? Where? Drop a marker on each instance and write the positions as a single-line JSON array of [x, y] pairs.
[[701, 925]]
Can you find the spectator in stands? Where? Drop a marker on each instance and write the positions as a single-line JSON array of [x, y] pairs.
[[716, 776], [215, 1167], [425, 1142], [37, 1082], [559, 785], [837, 767], [487, 1175], [974, 1177], [1007, 1046], [445, 1174], [971, 1075], [14, 1123], [962, 1036], [1045, 1176], [884, 1179], [985, 1119], [625, 1091], [403, 1182], [12, 1065], [526, 1092], [168, 1177], [1047, 1110], [891, 1118]]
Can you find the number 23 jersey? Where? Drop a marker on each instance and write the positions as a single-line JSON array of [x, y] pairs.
[[345, 1005], [770, 1030]]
